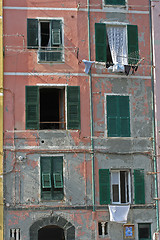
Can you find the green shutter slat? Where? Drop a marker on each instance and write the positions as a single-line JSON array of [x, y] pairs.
[[32, 33], [32, 107], [46, 180], [58, 180], [114, 2], [73, 107], [57, 170], [133, 51], [112, 116], [124, 116], [139, 187], [46, 168], [100, 42], [104, 186]]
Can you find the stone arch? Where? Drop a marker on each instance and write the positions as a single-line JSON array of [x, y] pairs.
[[68, 228]]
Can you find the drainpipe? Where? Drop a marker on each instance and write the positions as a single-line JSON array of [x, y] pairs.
[[91, 110], [153, 117]]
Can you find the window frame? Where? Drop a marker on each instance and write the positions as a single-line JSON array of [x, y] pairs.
[[129, 45], [71, 122], [115, 6], [150, 226], [103, 225], [105, 112], [52, 184], [129, 186]]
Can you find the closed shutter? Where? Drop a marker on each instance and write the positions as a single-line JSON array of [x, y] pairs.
[[32, 107], [133, 51], [100, 42], [104, 186], [114, 2], [112, 116], [46, 169], [124, 116], [57, 178], [139, 187], [32, 33], [118, 116], [73, 107]]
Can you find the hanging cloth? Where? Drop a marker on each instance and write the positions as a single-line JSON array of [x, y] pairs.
[[88, 65], [119, 213], [117, 43]]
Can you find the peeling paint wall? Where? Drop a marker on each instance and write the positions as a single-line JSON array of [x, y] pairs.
[[24, 208]]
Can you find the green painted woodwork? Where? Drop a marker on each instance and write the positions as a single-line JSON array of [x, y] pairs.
[[139, 186], [32, 33], [104, 186]]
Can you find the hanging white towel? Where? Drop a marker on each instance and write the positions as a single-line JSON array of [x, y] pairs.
[[119, 213], [88, 65]]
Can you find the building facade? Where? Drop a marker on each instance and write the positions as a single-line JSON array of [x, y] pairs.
[[1, 121], [78, 138]]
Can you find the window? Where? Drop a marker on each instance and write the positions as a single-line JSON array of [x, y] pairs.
[[115, 186], [118, 116], [52, 178], [144, 231], [15, 234], [47, 37], [114, 2], [48, 107], [103, 229], [116, 45]]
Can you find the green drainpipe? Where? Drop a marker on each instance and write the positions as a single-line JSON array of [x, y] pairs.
[[153, 117], [91, 112]]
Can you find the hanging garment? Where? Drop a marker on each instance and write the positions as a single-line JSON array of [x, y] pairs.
[[88, 65], [127, 69], [134, 69], [118, 47], [118, 213]]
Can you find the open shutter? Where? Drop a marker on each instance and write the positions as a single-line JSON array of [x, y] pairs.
[[112, 116], [124, 116], [114, 2], [32, 33], [104, 186], [57, 177], [139, 187], [73, 107], [100, 42], [32, 107], [133, 51], [56, 41], [46, 181]]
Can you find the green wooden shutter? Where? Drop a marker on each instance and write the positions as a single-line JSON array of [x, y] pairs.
[[46, 169], [124, 116], [32, 33], [112, 116], [32, 107], [56, 40], [104, 186], [73, 107], [133, 51], [139, 187], [57, 171], [100, 42], [114, 2], [118, 116], [46, 180]]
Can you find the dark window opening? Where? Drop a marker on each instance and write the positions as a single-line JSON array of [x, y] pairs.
[[115, 189], [144, 231], [15, 234], [109, 56], [52, 108], [50, 233], [102, 228], [45, 34]]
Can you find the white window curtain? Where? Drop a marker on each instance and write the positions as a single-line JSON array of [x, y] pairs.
[[118, 46]]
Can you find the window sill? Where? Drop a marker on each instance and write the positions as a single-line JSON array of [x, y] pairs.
[[51, 62], [115, 6]]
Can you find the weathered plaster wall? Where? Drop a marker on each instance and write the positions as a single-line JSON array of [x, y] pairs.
[[24, 207]]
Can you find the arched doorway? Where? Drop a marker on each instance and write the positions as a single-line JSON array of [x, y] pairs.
[[52, 225], [51, 232]]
